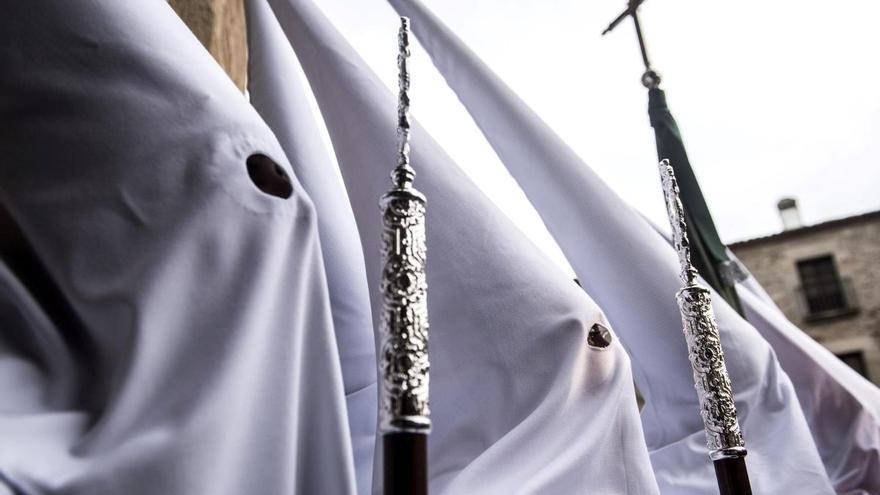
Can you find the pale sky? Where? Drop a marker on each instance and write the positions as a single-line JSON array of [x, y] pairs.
[[773, 98]]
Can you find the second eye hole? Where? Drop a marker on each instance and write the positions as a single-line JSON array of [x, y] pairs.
[[268, 176]]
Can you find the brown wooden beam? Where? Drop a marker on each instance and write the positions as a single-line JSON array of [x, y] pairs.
[[220, 26]]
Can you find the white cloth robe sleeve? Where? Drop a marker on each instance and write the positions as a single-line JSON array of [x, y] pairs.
[[520, 403], [279, 93], [211, 364], [632, 273]]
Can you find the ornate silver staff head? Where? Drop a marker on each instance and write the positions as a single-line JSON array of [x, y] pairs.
[[403, 341], [723, 435]]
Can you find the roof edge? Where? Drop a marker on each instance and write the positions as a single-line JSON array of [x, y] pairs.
[[807, 229]]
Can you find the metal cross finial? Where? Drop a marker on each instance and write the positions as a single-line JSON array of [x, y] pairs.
[[650, 78]]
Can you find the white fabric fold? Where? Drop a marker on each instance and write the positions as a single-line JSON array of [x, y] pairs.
[[842, 407], [632, 273], [521, 404], [198, 341], [279, 93]]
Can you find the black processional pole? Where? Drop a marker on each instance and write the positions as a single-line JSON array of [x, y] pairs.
[[723, 436], [404, 417]]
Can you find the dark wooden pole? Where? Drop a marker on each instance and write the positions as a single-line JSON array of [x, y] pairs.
[[405, 463], [733, 479]]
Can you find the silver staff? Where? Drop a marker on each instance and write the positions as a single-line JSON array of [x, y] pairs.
[[403, 353], [723, 435]]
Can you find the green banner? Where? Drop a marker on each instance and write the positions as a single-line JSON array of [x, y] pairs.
[[708, 253]]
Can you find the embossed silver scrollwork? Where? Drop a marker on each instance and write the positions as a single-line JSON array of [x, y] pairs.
[[711, 380], [403, 354], [710, 373]]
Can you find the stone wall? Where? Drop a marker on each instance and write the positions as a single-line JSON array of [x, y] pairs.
[[855, 246]]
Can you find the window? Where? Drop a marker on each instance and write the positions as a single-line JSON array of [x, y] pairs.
[[821, 287], [856, 361]]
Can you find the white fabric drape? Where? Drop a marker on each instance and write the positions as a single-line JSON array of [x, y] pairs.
[[278, 92], [521, 404], [842, 407], [198, 354], [632, 273]]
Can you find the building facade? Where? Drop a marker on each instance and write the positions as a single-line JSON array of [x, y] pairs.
[[826, 279]]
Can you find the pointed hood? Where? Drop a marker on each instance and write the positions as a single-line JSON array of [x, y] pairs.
[[632, 273], [520, 401], [198, 320], [279, 92]]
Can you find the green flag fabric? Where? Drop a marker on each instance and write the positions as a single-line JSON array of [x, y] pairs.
[[708, 253]]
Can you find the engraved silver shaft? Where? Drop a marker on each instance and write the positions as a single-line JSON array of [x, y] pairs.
[[723, 435], [403, 341]]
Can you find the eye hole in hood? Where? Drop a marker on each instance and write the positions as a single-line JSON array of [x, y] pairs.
[[268, 176]]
